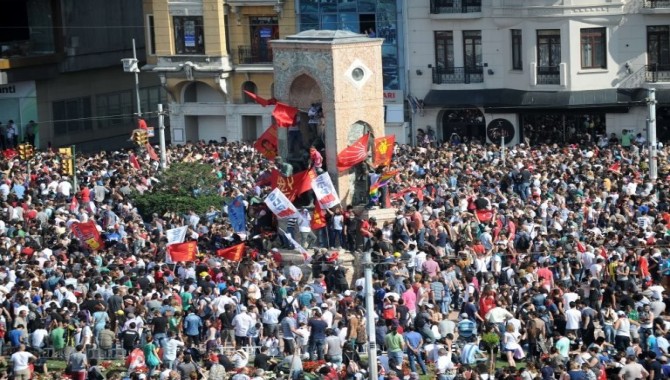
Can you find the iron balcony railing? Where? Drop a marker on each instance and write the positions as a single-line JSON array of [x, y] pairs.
[[458, 75], [548, 75], [249, 55], [455, 6], [657, 4], [658, 73]]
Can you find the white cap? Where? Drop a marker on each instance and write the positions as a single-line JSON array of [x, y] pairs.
[[347, 293]]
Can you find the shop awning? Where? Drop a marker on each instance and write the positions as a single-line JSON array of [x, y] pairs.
[[510, 100]]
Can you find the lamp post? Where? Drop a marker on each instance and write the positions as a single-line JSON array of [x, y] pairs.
[[370, 311], [651, 134], [130, 66]]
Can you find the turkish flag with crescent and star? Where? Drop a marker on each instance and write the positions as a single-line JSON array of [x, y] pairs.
[[383, 151], [294, 185], [353, 154]]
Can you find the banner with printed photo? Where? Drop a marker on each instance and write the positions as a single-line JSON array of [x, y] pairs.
[[176, 235], [280, 205], [88, 234], [237, 214], [325, 191]]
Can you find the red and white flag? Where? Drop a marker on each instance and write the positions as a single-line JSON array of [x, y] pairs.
[[353, 154]]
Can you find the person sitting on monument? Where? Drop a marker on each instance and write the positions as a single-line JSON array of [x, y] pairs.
[[284, 168], [315, 159]]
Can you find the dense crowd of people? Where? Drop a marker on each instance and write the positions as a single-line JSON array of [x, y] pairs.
[[554, 259]]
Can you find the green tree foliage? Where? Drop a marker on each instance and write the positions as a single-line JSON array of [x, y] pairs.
[[183, 187]]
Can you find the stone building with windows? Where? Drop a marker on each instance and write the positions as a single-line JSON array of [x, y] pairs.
[[538, 70], [206, 53]]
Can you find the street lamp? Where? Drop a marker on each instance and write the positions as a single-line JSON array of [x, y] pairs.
[[370, 311], [130, 66]]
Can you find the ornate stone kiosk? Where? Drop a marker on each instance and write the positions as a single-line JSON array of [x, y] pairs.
[[342, 71]]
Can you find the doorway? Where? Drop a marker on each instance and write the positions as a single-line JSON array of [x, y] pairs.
[[468, 123]]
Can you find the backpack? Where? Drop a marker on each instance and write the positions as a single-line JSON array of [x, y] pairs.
[[398, 226], [207, 311], [523, 242]]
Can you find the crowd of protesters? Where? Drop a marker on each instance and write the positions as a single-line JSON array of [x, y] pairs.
[[562, 252]]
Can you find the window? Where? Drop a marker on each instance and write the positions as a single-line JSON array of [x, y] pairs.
[[250, 87], [472, 50], [262, 30], [189, 35], [71, 115], [658, 45], [549, 49], [517, 55], [114, 109], [444, 51], [150, 98], [593, 43], [151, 35]]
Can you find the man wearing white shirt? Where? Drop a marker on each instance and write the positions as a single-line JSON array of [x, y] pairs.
[[327, 315], [241, 325], [270, 320], [20, 361], [573, 320]]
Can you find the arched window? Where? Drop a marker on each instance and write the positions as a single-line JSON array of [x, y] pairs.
[[251, 87]]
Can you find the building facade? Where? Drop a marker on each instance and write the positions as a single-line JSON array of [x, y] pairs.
[[60, 66], [205, 54], [536, 71], [375, 18]]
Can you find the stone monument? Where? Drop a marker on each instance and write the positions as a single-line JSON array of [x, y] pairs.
[[342, 71]]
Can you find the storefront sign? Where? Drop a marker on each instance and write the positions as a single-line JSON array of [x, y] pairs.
[[393, 97], [17, 90], [266, 33]]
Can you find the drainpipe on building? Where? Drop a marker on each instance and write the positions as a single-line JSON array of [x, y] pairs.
[[651, 134]]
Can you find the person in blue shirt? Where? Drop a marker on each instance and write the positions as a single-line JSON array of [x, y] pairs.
[[414, 344], [467, 329], [18, 336], [192, 326], [471, 354]]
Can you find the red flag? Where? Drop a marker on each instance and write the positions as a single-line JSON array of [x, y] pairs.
[[318, 218], [284, 114], [233, 253], [133, 161], [616, 167], [267, 143], [383, 150], [88, 234], [294, 185], [10, 153], [74, 205], [142, 124], [353, 154], [259, 100], [580, 247], [183, 251], [151, 151]]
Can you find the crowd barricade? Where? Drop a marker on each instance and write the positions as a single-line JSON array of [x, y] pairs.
[[115, 353]]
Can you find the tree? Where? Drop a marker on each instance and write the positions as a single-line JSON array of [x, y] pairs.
[[183, 187]]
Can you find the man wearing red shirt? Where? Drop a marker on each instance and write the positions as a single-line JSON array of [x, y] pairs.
[[546, 274]]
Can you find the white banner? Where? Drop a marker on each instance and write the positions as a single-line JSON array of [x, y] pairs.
[[325, 191], [280, 205], [176, 235]]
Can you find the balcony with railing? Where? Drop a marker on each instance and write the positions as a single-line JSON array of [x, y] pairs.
[[249, 55], [656, 73], [454, 75], [451, 7], [548, 75], [656, 4]]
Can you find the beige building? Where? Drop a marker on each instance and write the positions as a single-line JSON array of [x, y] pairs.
[[205, 54]]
